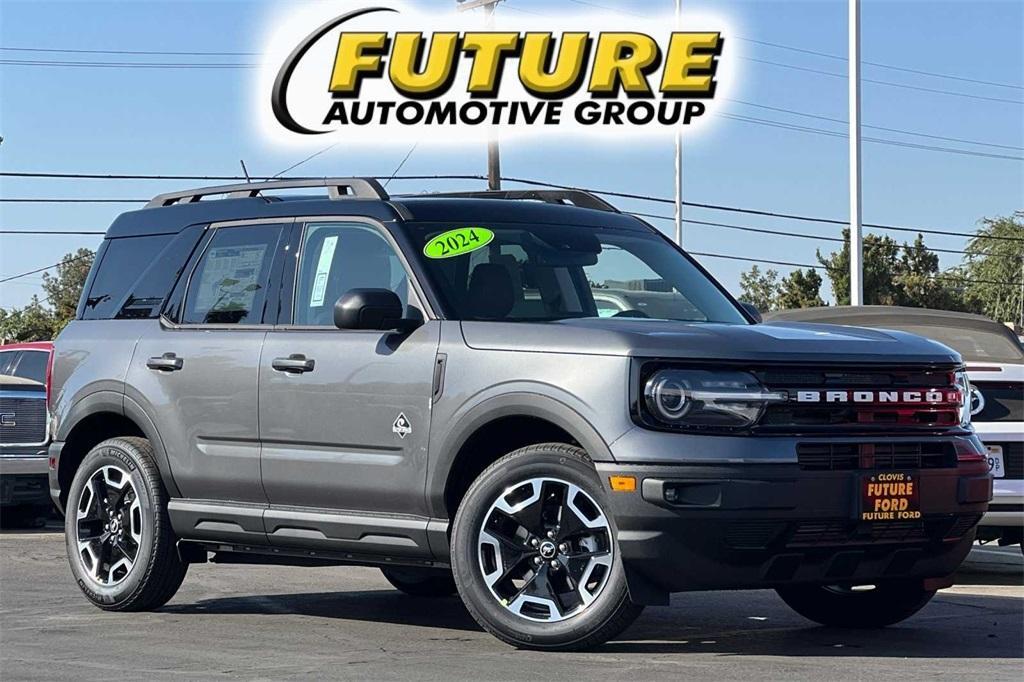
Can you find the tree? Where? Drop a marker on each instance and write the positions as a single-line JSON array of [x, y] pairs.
[[759, 289], [36, 322], [64, 289], [894, 274], [801, 289], [992, 263], [31, 323]]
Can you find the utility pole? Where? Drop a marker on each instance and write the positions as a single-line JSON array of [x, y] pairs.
[[493, 152], [679, 156], [856, 236]]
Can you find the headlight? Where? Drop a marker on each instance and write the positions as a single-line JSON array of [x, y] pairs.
[[706, 399], [964, 386]]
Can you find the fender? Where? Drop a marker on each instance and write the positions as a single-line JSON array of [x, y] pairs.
[[98, 401], [524, 404], [118, 403]]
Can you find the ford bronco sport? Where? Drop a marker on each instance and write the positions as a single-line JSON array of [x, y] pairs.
[[426, 384]]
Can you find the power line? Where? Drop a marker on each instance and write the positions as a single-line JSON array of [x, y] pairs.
[[892, 143], [753, 211], [889, 83], [143, 52], [783, 233], [822, 267], [524, 181], [864, 125], [48, 267], [126, 65], [76, 200], [52, 232], [792, 48], [308, 158], [880, 65]]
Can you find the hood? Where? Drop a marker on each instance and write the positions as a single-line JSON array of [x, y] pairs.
[[781, 342]]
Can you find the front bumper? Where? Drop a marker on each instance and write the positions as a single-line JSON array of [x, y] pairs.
[[23, 477], [737, 526]]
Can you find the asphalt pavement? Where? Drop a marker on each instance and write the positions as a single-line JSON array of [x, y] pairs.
[[259, 622]]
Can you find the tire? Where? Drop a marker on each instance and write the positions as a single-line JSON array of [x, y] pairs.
[[541, 609], [421, 582], [842, 607], [128, 562]]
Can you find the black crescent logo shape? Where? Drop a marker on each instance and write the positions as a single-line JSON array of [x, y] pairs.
[[278, 96]]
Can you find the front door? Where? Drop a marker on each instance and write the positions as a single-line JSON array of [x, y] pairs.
[[345, 415]]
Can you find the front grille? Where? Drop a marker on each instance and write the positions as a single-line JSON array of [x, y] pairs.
[[28, 416], [1004, 401], [891, 413], [890, 455]]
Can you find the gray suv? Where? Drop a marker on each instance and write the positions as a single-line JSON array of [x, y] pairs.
[[427, 384]]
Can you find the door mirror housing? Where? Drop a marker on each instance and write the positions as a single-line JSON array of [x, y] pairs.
[[752, 311], [379, 309]]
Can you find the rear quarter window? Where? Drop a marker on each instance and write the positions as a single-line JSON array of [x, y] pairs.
[[136, 274]]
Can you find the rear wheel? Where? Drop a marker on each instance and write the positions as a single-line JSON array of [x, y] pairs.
[[119, 539], [534, 552], [421, 582], [861, 606]]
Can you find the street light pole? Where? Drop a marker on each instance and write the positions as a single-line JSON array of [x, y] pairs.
[[493, 152], [679, 159], [856, 236]]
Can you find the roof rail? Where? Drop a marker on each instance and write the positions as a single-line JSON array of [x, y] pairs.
[[337, 188], [576, 197]]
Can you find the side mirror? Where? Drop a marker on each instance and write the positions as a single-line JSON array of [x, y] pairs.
[[370, 309], [752, 311]]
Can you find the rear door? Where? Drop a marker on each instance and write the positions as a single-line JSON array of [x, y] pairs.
[[199, 372], [349, 433]]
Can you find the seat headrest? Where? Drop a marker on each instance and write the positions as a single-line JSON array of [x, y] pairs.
[[491, 294]]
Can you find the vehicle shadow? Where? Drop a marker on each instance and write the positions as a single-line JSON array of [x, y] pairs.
[[382, 606], [957, 626], [953, 626]]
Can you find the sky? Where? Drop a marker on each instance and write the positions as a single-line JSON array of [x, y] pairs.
[[199, 122]]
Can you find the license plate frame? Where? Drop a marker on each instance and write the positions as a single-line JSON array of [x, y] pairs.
[[996, 461], [888, 496]]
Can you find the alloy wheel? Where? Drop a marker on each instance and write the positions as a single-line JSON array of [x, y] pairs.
[[545, 549], [109, 525]]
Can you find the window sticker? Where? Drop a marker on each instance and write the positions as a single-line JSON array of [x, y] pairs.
[[323, 269], [229, 280], [457, 242]]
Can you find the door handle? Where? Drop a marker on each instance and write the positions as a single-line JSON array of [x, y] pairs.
[[168, 362], [296, 363]]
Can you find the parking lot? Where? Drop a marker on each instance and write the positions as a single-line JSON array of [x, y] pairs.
[[255, 622]]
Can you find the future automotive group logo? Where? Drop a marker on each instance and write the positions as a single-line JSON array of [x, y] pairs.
[[385, 71]]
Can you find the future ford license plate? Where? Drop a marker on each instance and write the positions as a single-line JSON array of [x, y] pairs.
[[890, 496]]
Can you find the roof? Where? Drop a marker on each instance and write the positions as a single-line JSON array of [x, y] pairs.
[[171, 213], [28, 345]]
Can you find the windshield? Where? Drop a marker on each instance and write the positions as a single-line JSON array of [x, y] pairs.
[[534, 273]]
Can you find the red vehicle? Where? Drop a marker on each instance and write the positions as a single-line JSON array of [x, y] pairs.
[[24, 427]]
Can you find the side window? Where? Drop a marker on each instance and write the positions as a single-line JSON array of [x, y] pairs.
[[229, 284], [337, 257], [124, 260], [147, 294]]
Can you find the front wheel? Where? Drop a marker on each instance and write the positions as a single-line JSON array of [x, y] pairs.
[[861, 606], [534, 552]]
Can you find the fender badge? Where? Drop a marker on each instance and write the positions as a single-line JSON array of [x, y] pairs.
[[401, 426]]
